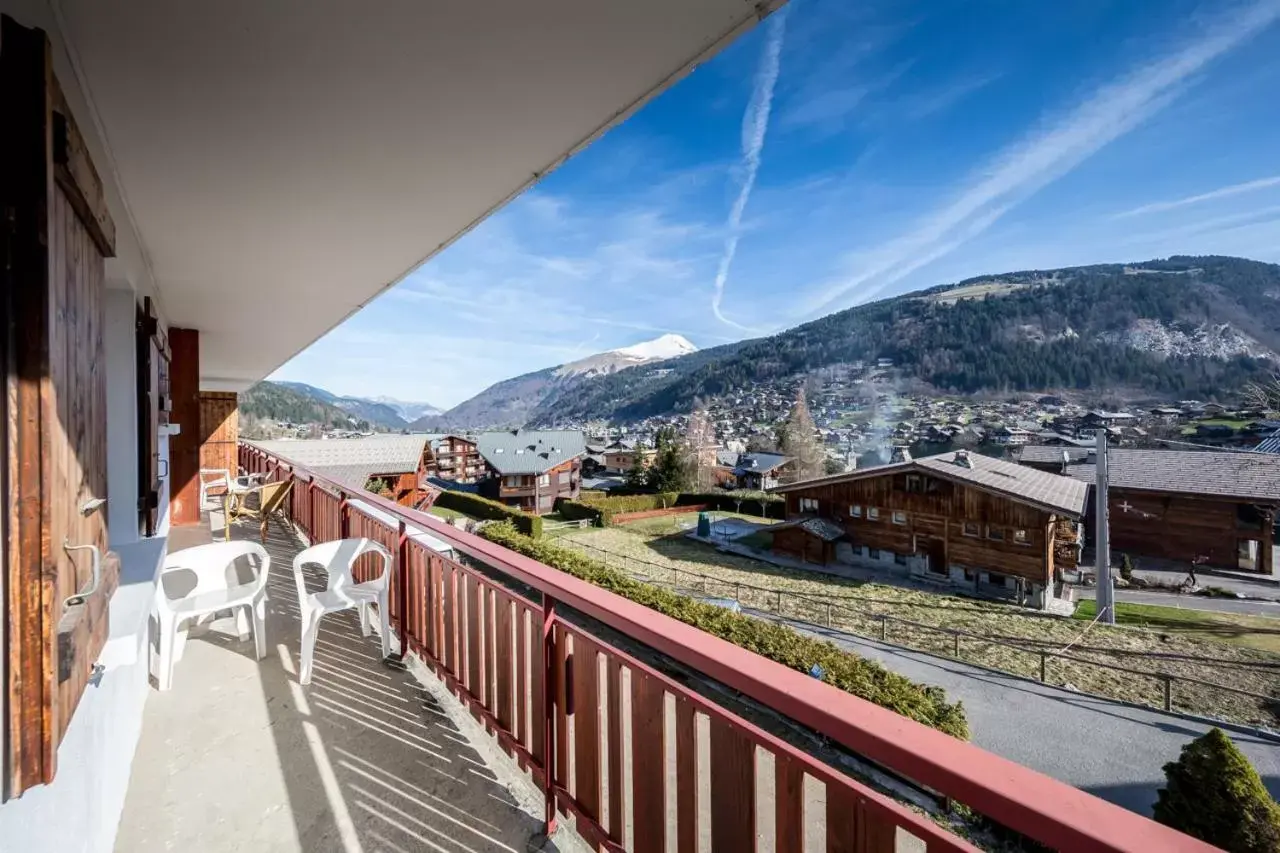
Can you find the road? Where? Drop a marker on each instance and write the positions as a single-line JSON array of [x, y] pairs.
[[1246, 607], [1112, 750]]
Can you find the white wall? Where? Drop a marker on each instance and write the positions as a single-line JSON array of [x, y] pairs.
[[122, 418]]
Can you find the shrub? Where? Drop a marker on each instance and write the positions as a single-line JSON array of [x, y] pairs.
[[1126, 567], [1214, 794], [478, 507], [738, 500], [604, 509], [577, 510], [779, 643]]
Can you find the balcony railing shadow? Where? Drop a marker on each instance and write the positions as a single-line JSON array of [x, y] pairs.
[[240, 756]]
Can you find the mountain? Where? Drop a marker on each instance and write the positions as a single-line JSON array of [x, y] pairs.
[[1177, 327], [509, 402], [408, 410], [281, 401], [383, 412]]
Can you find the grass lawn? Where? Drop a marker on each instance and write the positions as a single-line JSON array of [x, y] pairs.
[[667, 525], [446, 513], [1255, 632], [856, 606]]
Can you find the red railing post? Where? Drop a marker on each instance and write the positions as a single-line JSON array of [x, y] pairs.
[[400, 565], [311, 511], [549, 710], [344, 516]]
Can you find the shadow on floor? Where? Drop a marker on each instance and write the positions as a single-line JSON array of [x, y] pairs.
[[239, 756]]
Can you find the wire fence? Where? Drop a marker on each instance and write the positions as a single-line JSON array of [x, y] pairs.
[[1050, 665]]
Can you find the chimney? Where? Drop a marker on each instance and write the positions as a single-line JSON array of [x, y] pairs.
[[963, 460], [900, 453], [1066, 460]]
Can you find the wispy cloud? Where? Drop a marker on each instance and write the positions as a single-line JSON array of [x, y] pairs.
[[755, 123], [1045, 155], [929, 103], [1212, 195]]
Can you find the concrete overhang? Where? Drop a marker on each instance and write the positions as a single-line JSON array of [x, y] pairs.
[[273, 166]]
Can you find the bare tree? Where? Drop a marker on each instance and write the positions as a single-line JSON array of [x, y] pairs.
[[798, 438], [1264, 395], [700, 445]]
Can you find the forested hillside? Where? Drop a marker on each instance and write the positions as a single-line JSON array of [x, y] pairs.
[[1185, 326], [277, 402]]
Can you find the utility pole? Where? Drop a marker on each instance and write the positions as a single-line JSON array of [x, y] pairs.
[[1106, 595]]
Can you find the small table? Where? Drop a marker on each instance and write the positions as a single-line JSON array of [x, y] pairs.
[[233, 499]]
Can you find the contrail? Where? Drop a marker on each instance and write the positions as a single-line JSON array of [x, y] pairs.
[[1040, 158], [755, 123], [1220, 192]]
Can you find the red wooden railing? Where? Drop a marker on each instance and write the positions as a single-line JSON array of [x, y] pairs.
[[561, 701]]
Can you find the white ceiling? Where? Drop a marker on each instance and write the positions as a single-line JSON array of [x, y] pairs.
[[284, 162]]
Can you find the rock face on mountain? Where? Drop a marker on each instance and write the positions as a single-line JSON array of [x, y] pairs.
[[509, 403], [1181, 326]]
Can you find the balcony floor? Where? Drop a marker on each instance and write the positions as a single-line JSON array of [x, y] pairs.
[[239, 757]]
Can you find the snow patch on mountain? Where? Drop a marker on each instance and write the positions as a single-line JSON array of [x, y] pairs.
[[408, 410], [666, 346], [1221, 341], [601, 364]]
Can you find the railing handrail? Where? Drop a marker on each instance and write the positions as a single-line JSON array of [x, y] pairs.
[[1009, 793]]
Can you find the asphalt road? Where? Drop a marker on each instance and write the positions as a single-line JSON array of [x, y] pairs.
[[1193, 602], [1112, 750]]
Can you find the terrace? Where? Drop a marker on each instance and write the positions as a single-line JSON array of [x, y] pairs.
[[194, 194]]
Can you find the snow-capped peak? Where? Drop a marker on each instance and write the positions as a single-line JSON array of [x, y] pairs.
[[666, 346]]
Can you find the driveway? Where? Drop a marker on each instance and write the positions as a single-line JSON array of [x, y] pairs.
[[1109, 749]]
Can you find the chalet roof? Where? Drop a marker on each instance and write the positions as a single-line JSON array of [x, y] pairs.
[[759, 463], [1017, 482], [1270, 444], [1248, 476], [352, 461], [827, 531], [529, 451]]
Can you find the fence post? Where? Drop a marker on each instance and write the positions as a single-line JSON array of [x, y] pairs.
[[828, 614], [675, 578], [1043, 665], [344, 517], [548, 710], [1168, 692], [884, 627], [779, 602], [737, 592], [956, 637], [311, 511]]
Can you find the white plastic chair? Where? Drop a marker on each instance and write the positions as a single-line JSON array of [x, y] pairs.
[[341, 592], [218, 586], [221, 479]]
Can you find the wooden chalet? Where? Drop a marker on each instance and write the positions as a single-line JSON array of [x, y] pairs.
[[396, 463], [531, 469], [959, 518], [455, 458], [1207, 507]]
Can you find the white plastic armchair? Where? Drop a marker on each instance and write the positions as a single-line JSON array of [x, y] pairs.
[[341, 592], [217, 583], [213, 478]]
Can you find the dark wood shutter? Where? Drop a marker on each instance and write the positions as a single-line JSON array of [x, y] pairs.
[[57, 234]]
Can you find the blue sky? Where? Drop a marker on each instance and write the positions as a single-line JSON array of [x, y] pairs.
[[844, 152]]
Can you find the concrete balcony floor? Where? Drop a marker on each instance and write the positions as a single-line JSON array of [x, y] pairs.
[[238, 756]]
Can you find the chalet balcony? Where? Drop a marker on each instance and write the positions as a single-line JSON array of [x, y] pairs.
[[516, 491]]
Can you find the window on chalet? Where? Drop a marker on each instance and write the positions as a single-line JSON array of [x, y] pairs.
[[971, 528], [1020, 536], [995, 534], [808, 504], [855, 511], [873, 553], [873, 513], [544, 479], [915, 483], [900, 559], [899, 518]]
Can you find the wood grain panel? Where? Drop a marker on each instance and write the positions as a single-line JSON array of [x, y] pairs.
[[648, 764], [613, 746], [789, 804], [473, 654], [505, 658], [733, 789], [560, 690], [219, 430], [686, 777], [586, 726], [842, 820], [538, 688]]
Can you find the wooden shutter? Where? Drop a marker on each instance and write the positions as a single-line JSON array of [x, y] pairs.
[[57, 234], [219, 430]]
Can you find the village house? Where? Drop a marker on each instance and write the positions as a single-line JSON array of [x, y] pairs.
[[759, 471], [454, 458], [958, 518], [1212, 508], [396, 465], [620, 460], [530, 469]]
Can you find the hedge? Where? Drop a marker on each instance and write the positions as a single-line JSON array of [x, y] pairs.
[[755, 503], [602, 510], [780, 643], [478, 507]]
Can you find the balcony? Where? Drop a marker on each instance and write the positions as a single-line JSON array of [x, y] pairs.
[[575, 688]]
